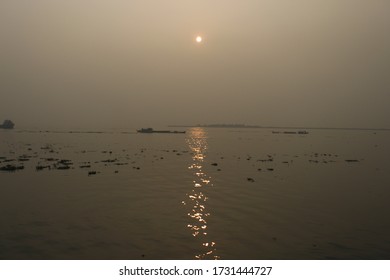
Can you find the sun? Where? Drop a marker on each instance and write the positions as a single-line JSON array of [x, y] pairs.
[[198, 39]]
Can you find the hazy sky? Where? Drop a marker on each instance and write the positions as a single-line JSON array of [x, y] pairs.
[[129, 63]]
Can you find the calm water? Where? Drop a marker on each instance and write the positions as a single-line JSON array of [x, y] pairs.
[[208, 194]]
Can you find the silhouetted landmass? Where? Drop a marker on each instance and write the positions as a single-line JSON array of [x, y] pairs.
[[219, 125], [276, 127], [7, 124]]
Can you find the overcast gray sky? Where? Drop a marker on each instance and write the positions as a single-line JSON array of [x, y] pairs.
[[127, 63]]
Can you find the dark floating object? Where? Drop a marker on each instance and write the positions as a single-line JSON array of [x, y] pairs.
[[265, 160], [291, 132], [352, 160], [65, 162], [270, 169], [219, 169], [47, 147], [250, 180], [110, 160], [151, 130], [85, 166], [11, 168], [41, 167], [62, 167], [50, 159], [214, 164], [7, 124], [92, 173]]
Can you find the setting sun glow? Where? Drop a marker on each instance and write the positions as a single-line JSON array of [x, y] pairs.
[[198, 39]]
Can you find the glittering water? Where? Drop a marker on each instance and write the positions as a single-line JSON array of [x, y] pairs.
[[197, 199], [208, 194]]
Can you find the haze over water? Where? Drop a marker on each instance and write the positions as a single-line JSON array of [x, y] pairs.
[[119, 64], [79, 77], [210, 193]]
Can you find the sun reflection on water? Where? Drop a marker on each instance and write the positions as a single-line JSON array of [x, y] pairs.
[[196, 202]]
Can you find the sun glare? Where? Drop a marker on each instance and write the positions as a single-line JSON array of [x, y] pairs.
[[198, 39]]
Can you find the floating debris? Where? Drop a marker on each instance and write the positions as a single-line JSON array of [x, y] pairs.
[[62, 167], [250, 179], [50, 159], [110, 160], [352, 160], [41, 167], [265, 160], [65, 162], [11, 168], [47, 147]]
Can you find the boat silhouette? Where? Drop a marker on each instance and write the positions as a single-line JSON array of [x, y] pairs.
[[151, 130]]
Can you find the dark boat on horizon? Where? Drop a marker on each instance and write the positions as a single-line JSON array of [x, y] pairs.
[[7, 124], [151, 130]]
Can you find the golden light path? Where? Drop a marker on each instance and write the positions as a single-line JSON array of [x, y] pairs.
[[196, 201]]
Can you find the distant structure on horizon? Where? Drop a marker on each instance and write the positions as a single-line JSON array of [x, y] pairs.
[[220, 125], [7, 124], [229, 125]]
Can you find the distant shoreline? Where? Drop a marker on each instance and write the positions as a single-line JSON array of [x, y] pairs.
[[279, 127]]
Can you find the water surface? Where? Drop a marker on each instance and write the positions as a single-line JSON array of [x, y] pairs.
[[209, 194]]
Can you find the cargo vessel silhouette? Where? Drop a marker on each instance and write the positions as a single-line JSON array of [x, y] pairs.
[[151, 130]]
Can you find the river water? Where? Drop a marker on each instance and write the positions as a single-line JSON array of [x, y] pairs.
[[212, 193]]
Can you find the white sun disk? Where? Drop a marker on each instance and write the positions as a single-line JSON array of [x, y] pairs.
[[198, 39]]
